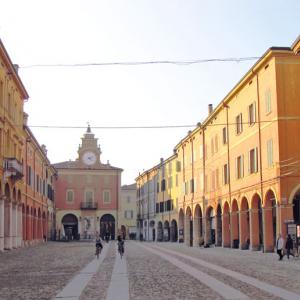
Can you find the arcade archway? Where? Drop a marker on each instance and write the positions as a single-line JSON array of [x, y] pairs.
[[70, 225], [107, 227]]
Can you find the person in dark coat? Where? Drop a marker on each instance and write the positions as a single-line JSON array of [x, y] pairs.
[[289, 246]]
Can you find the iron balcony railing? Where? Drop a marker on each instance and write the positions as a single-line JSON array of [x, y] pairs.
[[12, 168], [88, 205]]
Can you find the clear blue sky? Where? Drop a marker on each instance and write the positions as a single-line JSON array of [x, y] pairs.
[[50, 32]]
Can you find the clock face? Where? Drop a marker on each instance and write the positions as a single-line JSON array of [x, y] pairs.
[[89, 158]]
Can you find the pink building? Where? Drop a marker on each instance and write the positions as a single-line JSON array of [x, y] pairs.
[[87, 193]]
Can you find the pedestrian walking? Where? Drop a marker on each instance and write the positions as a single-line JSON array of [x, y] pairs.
[[289, 246], [279, 246]]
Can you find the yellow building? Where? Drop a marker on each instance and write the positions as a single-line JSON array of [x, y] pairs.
[[240, 180], [127, 211], [12, 97]]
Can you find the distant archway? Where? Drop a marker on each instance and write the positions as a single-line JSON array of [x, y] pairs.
[[70, 226], [107, 227], [270, 221], [174, 231]]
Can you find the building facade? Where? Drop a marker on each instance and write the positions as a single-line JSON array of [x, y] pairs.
[[127, 212], [239, 175], [38, 208], [87, 194], [26, 209], [12, 97]]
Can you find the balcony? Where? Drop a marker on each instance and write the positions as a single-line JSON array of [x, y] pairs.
[[88, 205], [12, 168]]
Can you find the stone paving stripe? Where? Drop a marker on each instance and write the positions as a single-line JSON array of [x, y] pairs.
[[276, 291], [119, 284], [77, 284], [226, 291]]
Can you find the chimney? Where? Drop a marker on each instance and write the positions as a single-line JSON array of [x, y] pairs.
[[161, 160], [210, 109], [16, 68], [108, 162], [44, 149], [25, 119]]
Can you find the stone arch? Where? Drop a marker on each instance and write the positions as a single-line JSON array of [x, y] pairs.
[[181, 226], [69, 226], [198, 226], [7, 191], [159, 231], [270, 221], [219, 225], [107, 227], [226, 225], [244, 224], [294, 201], [166, 231], [188, 226], [256, 228], [210, 226], [152, 228], [235, 224], [174, 231]]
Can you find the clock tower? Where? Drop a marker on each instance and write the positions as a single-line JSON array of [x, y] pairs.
[[89, 151]]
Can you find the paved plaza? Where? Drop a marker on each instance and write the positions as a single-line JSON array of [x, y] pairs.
[[58, 270]]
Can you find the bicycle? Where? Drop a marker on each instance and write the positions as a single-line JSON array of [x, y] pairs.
[[121, 248], [98, 251]]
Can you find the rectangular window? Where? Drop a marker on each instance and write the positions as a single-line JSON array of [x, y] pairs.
[[1, 93], [168, 205], [217, 178], [170, 182], [163, 185], [239, 123], [89, 196], [157, 187], [252, 113], [106, 197], [268, 101], [205, 184], [213, 180], [212, 146], [186, 187], [157, 208], [216, 144], [253, 165], [270, 153], [161, 207], [192, 186], [178, 166], [239, 163], [201, 152], [225, 174], [70, 196]]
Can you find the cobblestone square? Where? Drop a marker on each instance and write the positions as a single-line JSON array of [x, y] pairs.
[[153, 271]]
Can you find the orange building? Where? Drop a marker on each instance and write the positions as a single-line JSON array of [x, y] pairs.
[[38, 201], [240, 171]]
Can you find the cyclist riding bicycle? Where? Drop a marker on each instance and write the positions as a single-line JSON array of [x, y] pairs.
[[121, 245], [99, 247]]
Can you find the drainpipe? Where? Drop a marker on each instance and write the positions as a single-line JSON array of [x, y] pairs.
[[260, 160], [228, 162]]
